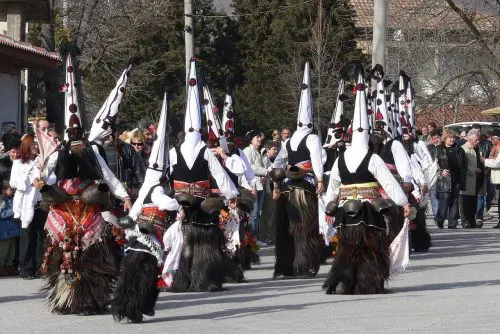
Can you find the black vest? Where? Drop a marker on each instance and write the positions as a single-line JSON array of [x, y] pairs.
[[302, 153], [361, 175], [199, 171], [386, 153]]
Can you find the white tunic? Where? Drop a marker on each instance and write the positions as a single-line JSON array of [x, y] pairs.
[[401, 160], [379, 170]]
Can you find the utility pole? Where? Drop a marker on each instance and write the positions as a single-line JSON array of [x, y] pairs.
[[379, 32], [188, 35]]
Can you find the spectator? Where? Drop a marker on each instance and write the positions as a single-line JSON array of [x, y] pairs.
[[149, 138], [260, 170], [126, 163], [493, 162], [286, 133], [484, 150], [9, 231], [137, 140], [42, 124], [25, 178], [452, 166], [473, 181], [435, 139], [425, 134], [431, 126], [276, 135], [10, 152], [55, 136], [267, 228]]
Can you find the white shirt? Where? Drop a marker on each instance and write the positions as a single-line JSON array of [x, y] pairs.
[[401, 160], [226, 186], [379, 170], [422, 154], [313, 144]]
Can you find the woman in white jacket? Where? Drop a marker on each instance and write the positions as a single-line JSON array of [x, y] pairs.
[[25, 178]]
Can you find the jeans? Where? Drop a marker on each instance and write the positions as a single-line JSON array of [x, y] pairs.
[[492, 193], [31, 244], [255, 214], [448, 206], [481, 201], [434, 196]]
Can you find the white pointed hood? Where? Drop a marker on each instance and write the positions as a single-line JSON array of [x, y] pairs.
[[410, 104], [381, 118], [403, 110], [192, 121], [397, 131], [215, 132], [336, 129], [158, 163], [72, 117], [228, 117], [106, 117], [305, 116], [360, 122]]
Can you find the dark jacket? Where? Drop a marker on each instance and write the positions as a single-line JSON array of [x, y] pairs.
[[126, 163], [5, 167], [432, 150], [453, 159]]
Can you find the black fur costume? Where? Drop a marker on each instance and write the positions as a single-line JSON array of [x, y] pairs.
[[420, 239], [204, 262], [136, 290], [79, 274], [361, 264], [299, 245], [89, 291]]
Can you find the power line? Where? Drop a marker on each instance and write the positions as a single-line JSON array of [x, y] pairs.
[[280, 9]]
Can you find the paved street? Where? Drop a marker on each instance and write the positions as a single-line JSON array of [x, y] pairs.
[[455, 288]]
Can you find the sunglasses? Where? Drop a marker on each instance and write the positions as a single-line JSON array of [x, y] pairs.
[[137, 144]]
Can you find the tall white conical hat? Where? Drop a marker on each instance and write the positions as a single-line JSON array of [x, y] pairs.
[[158, 160], [72, 117], [106, 117], [336, 129], [360, 122], [158, 163], [228, 117], [388, 107], [410, 103], [397, 131], [381, 118], [215, 131], [192, 120], [305, 116], [405, 123]]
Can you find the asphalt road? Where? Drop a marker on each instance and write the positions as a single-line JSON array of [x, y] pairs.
[[454, 288]]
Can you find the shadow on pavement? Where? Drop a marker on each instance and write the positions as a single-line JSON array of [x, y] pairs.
[[444, 286]]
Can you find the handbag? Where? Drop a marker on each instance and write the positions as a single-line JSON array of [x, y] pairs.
[[443, 184]]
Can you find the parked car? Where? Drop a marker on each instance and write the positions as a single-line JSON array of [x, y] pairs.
[[485, 126]]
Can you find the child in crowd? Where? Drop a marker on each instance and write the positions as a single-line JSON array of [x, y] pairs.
[[9, 230]]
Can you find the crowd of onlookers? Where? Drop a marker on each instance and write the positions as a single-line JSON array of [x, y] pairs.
[[468, 174]]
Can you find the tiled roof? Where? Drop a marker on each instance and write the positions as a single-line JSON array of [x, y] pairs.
[[7, 41], [442, 116], [426, 14]]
